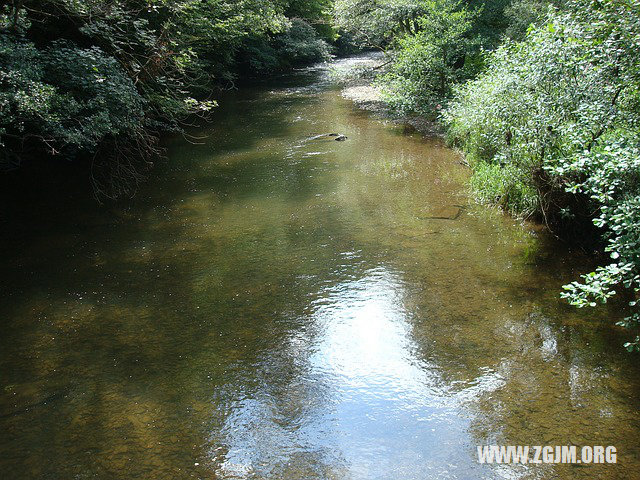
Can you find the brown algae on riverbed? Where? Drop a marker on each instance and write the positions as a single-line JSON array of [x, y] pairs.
[[272, 308]]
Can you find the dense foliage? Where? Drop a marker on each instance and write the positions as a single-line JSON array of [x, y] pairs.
[[376, 23], [98, 80], [431, 58], [553, 128], [435, 44]]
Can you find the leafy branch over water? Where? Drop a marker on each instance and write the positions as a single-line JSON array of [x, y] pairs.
[[100, 81]]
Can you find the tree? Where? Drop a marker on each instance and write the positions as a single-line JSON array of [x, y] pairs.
[[376, 23], [431, 58], [98, 80]]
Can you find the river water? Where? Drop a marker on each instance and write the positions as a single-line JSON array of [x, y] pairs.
[[277, 306]]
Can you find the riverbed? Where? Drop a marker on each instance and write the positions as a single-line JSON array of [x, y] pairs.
[[275, 304]]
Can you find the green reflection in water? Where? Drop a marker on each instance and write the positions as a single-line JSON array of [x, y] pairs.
[[273, 305]]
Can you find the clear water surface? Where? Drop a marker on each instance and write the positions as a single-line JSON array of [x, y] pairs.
[[277, 306]]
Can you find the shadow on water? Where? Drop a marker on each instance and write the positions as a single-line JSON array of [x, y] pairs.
[[273, 305]]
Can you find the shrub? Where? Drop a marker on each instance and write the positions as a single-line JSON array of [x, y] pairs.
[[70, 98], [428, 62], [559, 111], [300, 44]]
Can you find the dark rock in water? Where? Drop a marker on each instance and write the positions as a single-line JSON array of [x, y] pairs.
[[36, 401], [338, 136], [451, 212]]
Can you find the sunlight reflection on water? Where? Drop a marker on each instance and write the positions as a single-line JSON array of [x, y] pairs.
[[376, 398]]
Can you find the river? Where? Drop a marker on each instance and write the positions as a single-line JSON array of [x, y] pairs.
[[277, 305]]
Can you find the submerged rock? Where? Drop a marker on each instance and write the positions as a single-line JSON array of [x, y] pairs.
[[338, 137], [448, 212]]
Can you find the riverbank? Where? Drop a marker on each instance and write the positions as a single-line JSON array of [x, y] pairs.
[[356, 77], [544, 183]]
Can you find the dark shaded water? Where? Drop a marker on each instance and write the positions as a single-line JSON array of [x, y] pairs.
[[272, 306]]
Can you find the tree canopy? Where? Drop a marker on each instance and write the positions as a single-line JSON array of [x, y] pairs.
[[98, 80]]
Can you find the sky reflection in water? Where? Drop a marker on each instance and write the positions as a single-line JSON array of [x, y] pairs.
[[382, 413]]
